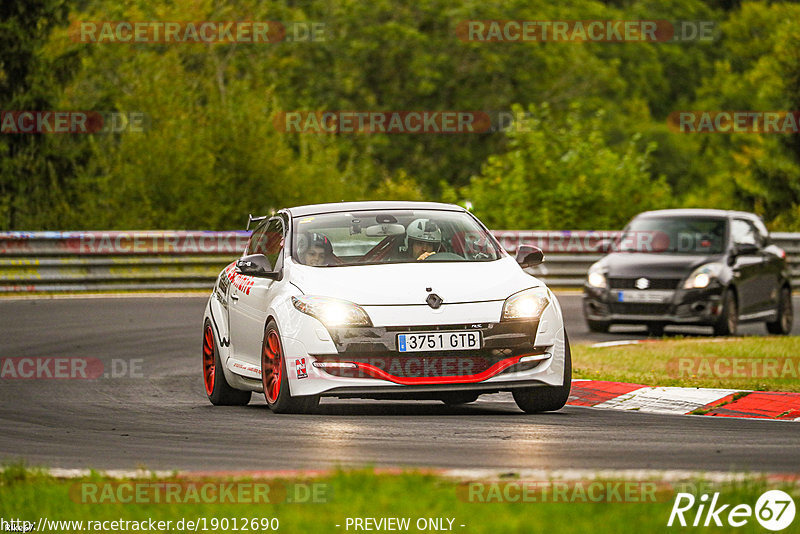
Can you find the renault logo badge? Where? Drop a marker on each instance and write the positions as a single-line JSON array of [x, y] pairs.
[[434, 301]]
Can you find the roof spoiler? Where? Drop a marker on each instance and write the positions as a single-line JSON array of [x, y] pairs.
[[252, 219]]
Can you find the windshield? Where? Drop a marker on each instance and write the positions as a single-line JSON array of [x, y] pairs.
[[674, 235], [390, 236]]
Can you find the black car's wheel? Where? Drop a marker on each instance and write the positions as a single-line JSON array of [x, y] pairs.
[[454, 399], [547, 398], [783, 323], [219, 392], [275, 379], [600, 327], [728, 322], [655, 330]]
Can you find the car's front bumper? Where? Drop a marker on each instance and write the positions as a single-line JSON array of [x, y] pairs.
[[364, 361], [701, 307]]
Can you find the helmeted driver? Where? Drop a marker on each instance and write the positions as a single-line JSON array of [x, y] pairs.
[[314, 249], [423, 238]]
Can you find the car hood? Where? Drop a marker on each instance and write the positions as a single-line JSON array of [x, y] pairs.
[[407, 283], [633, 264]]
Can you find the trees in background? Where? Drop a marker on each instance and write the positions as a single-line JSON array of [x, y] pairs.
[[593, 149]]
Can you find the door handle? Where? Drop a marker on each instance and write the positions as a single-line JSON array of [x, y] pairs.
[[234, 297]]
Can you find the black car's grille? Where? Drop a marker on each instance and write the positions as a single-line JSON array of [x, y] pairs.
[[639, 308], [655, 283]]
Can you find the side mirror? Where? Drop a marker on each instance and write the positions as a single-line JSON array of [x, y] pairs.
[[745, 249], [255, 265], [529, 256]]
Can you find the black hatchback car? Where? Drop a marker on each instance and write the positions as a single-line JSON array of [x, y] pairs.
[[690, 267]]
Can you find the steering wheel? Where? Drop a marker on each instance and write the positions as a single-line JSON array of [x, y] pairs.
[[444, 256]]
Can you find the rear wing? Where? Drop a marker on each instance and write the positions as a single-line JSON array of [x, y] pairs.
[[251, 219]]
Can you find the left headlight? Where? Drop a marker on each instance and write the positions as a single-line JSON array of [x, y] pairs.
[[702, 276], [528, 304], [332, 312]]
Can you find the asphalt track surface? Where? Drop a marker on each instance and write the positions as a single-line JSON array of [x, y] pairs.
[[162, 419]]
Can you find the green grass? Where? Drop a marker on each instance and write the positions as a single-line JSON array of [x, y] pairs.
[[753, 363], [29, 495]]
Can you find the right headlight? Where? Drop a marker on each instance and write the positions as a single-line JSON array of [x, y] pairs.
[[702, 276], [597, 279], [528, 304], [332, 312]]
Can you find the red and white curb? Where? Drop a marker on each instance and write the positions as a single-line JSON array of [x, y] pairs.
[[678, 400]]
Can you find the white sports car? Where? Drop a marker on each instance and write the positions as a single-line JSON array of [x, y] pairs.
[[382, 300]]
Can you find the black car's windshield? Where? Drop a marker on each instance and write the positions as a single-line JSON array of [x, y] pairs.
[[390, 236], [674, 235]]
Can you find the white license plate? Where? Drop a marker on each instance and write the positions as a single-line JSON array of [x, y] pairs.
[[656, 297], [430, 341]]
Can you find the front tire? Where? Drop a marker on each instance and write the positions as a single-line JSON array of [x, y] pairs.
[[219, 392], [655, 330], [728, 322], [600, 327], [783, 323], [547, 398], [275, 379], [457, 399]]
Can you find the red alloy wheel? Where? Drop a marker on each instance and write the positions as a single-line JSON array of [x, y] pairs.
[[272, 366], [209, 367]]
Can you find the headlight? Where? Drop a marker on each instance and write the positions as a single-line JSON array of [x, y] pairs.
[[597, 279], [702, 276], [528, 304], [332, 312]]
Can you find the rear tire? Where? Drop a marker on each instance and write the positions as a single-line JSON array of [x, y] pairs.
[[783, 323], [600, 327], [219, 392], [728, 322], [547, 398], [275, 379], [655, 330]]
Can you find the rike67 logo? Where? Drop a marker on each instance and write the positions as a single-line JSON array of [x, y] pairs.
[[774, 510]]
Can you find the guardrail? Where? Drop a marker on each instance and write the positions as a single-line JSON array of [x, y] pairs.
[[165, 260]]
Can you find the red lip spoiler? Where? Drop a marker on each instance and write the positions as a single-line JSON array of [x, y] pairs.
[[495, 369]]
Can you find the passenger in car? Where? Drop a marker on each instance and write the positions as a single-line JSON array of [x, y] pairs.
[[318, 250]]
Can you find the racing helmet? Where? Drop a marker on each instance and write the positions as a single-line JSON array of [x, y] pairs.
[[424, 230], [313, 239]]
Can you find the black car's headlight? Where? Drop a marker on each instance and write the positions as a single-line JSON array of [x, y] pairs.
[[332, 312], [597, 279], [702, 276], [527, 304]]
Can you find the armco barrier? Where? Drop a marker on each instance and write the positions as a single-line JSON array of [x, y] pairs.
[[161, 260]]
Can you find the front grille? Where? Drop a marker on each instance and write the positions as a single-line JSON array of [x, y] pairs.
[[518, 336], [636, 308], [655, 283]]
